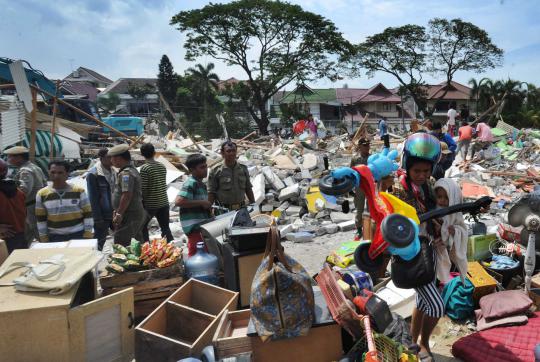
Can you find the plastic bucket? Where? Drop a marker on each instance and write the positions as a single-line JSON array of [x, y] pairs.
[[359, 279]]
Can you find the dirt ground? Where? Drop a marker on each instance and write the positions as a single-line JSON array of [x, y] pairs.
[[312, 255]]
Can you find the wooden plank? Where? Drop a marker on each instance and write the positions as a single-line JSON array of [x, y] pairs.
[[33, 128], [53, 123], [103, 329], [168, 108], [130, 278]]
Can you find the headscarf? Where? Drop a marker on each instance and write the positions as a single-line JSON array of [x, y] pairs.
[[457, 244]]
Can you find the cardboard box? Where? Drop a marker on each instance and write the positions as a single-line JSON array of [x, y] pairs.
[[478, 247], [184, 323], [484, 283]]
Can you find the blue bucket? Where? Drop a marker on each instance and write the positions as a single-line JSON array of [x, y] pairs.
[[359, 279]]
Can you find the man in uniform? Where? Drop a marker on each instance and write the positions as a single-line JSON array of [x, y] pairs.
[[359, 197], [129, 215], [228, 182], [30, 180]]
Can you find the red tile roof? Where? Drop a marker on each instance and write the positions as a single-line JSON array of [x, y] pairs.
[[456, 91]]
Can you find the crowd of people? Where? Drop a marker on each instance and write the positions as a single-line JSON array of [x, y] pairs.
[[118, 199]]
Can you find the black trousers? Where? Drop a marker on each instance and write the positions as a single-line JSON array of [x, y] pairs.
[[17, 241], [386, 139], [101, 230], [162, 216]]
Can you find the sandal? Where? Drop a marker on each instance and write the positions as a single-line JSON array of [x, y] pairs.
[[426, 357]]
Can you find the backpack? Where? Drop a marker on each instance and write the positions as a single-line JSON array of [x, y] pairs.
[[282, 301], [458, 299]]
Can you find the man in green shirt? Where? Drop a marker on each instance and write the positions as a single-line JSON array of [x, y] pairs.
[[228, 182], [154, 192], [193, 201]]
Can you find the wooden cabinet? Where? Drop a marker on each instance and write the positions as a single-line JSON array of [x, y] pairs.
[[38, 326]]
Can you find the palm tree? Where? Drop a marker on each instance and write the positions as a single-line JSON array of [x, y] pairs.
[[205, 80], [477, 91]]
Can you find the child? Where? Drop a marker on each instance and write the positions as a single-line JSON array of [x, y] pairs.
[[193, 201], [453, 232]]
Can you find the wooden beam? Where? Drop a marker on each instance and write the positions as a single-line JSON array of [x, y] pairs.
[[53, 123], [168, 108], [33, 116]]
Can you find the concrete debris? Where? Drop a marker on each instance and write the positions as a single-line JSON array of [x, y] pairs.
[[300, 237], [347, 225]]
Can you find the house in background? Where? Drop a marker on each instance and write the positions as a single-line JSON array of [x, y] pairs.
[[143, 107], [378, 101], [322, 103], [338, 107], [84, 83], [458, 94], [86, 75]]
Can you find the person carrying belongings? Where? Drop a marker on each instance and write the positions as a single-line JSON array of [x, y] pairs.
[[30, 180], [12, 212], [193, 201]]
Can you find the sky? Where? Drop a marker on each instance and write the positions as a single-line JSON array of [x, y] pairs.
[[126, 38]]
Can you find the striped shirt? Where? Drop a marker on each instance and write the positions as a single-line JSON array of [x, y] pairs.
[[154, 185], [191, 217], [61, 212]]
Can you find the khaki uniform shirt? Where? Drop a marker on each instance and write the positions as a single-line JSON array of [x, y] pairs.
[[229, 184], [128, 180], [30, 179]]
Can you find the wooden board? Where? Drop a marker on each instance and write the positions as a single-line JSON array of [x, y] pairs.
[[322, 344], [231, 334], [103, 330], [205, 297], [247, 267], [14, 300], [130, 278]]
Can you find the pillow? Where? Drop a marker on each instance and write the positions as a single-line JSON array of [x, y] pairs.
[[483, 324], [503, 304]]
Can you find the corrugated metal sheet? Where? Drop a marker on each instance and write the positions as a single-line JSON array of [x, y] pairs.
[[21, 84], [12, 125]]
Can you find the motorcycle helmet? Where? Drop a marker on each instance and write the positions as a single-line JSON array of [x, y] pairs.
[[421, 146]]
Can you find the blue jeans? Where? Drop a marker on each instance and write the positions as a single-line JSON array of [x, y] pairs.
[[53, 238]]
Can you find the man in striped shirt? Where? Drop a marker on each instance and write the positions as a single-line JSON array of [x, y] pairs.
[[63, 211], [154, 192]]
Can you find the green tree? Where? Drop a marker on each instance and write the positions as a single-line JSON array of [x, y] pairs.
[[478, 93], [140, 91], [400, 52], [456, 45], [167, 80], [274, 42], [109, 102]]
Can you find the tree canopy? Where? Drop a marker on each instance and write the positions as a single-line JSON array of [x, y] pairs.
[[400, 52], [457, 45], [274, 42], [167, 82], [410, 51], [109, 102]]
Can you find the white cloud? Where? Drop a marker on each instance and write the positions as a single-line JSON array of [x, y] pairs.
[[126, 38]]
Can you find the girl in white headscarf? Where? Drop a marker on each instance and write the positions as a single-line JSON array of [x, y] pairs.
[[453, 232]]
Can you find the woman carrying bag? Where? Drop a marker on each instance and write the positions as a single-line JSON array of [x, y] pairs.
[[421, 153]]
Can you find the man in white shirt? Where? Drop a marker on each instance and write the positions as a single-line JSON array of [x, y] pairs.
[[452, 115]]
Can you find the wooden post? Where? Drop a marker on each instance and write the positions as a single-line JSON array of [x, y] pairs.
[[168, 108], [53, 123], [33, 116]]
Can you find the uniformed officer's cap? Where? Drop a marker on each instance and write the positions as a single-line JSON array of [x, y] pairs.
[[17, 150], [118, 150]]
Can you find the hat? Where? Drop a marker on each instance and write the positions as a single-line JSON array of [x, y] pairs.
[[118, 150], [363, 141], [17, 150], [444, 148]]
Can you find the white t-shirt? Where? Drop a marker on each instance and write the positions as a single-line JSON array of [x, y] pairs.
[[452, 117]]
